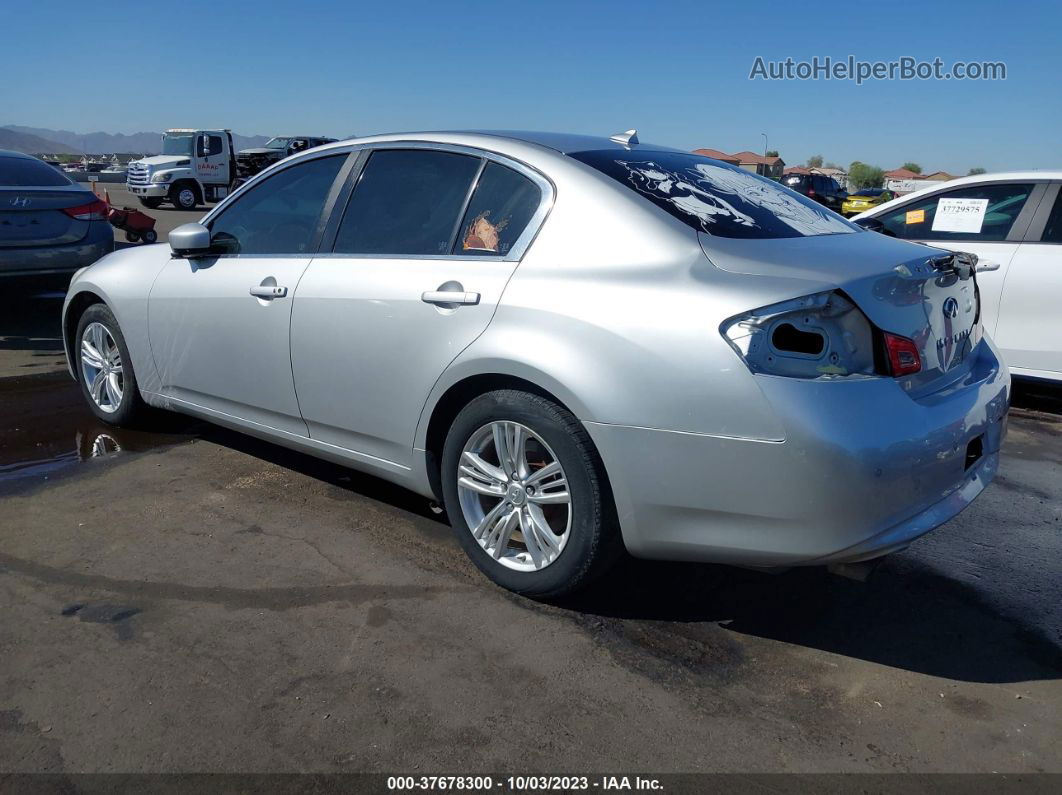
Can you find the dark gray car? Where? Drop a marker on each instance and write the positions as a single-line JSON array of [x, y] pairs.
[[48, 224]]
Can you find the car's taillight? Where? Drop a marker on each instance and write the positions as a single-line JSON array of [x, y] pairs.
[[93, 211], [811, 191], [823, 335], [903, 355]]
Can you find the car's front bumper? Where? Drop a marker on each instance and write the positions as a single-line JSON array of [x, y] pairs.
[[863, 470], [154, 190]]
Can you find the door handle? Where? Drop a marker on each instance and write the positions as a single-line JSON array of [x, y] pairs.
[[268, 291], [449, 297]]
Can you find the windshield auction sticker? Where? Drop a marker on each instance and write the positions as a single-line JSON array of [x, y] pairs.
[[960, 215], [915, 217]]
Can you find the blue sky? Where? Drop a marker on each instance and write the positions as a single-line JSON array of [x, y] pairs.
[[678, 71]]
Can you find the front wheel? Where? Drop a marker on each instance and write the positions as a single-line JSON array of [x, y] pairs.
[[184, 196], [526, 494], [105, 370], [150, 236]]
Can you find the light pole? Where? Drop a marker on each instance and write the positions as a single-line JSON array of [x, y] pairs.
[[764, 153]]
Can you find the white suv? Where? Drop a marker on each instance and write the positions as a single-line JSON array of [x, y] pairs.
[[1013, 219]]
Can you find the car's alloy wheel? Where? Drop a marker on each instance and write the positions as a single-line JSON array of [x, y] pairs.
[[526, 493], [102, 368], [105, 369], [514, 496]]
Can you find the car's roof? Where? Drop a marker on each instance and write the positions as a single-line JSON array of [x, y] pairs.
[[565, 143], [11, 153], [973, 179]]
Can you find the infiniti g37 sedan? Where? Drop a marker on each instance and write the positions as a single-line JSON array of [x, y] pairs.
[[576, 344]]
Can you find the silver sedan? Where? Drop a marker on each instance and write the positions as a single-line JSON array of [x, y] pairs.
[[578, 345]]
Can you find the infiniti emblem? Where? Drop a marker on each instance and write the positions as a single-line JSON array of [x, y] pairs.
[[951, 308]]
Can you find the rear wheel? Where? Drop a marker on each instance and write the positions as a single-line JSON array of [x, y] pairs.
[[150, 236], [184, 196], [105, 370], [526, 494], [152, 203]]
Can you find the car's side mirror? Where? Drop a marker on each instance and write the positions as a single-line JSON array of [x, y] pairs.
[[870, 224], [190, 240]]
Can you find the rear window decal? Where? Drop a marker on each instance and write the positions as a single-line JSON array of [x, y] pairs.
[[712, 194], [482, 235]]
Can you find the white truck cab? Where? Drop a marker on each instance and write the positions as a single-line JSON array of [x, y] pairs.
[[195, 166]]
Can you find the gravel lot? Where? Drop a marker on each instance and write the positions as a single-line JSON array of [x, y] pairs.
[[192, 599]]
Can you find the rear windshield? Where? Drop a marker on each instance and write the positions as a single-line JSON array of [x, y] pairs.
[[715, 197], [21, 172]]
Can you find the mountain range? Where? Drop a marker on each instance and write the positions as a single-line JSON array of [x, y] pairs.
[[34, 140]]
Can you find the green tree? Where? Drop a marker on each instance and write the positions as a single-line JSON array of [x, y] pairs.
[[976, 170], [912, 167], [861, 175], [815, 161], [772, 153]]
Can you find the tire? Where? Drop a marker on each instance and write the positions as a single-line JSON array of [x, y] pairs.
[[129, 409], [132, 237], [151, 202], [184, 196], [585, 528], [150, 236]]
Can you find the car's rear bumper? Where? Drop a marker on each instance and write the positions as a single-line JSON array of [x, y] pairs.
[[40, 260], [863, 471]]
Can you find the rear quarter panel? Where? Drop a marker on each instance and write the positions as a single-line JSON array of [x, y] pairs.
[[615, 310]]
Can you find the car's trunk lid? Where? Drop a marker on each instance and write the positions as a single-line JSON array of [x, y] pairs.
[[35, 217], [903, 288]]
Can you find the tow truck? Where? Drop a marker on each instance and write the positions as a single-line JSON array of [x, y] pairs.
[[195, 166]]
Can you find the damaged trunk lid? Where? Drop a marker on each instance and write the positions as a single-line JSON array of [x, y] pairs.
[[924, 294]]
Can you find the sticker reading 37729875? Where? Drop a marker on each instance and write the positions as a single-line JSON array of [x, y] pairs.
[[960, 215]]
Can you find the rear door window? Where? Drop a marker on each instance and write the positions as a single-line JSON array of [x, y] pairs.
[[978, 212], [714, 197], [407, 202], [21, 172], [501, 207], [1053, 230]]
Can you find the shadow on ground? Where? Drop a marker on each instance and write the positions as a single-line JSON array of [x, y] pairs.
[[908, 615]]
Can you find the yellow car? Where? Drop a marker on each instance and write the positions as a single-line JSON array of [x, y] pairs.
[[864, 199]]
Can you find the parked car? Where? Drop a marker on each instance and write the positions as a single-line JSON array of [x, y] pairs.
[[1014, 222], [574, 343], [864, 199], [48, 224], [251, 161], [825, 190]]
